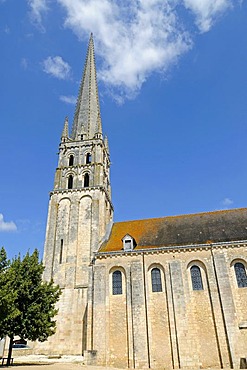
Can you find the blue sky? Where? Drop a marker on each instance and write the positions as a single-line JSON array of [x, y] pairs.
[[173, 92]]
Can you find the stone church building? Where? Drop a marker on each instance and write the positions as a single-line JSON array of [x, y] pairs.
[[155, 293]]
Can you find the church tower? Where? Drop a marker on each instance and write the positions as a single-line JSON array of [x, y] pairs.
[[80, 211]]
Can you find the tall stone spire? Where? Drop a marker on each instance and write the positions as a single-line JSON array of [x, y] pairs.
[[80, 214], [87, 113]]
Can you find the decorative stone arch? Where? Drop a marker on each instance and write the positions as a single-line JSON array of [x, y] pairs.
[[68, 155], [64, 198], [86, 196], [114, 287], [70, 172], [239, 272], [197, 276], [63, 214], [82, 174]]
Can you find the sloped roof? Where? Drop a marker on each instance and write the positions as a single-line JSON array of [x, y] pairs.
[[192, 229]]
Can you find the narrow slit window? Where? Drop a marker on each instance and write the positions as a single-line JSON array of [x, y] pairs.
[[86, 180], [241, 276], [61, 252], [88, 158], [196, 278], [156, 280], [70, 182], [117, 283], [71, 160]]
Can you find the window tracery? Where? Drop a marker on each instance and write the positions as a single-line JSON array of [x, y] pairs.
[[196, 278], [117, 283], [241, 276], [156, 280]]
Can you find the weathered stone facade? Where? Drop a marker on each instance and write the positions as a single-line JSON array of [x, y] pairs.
[[159, 293], [178, 327]]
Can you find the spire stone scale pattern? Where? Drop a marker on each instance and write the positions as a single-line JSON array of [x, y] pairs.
[[87, 114]]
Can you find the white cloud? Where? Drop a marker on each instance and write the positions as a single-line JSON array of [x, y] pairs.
[[227, 202], [6, 226], [207, 11], [68, 99], [134, 39], [57, 67], [37, 9]]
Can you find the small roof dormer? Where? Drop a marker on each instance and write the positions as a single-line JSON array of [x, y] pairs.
[[128, 243]]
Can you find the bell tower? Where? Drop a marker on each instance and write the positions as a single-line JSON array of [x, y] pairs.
[[80, 211]]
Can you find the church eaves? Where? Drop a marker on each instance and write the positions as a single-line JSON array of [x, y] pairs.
[[87, 119]]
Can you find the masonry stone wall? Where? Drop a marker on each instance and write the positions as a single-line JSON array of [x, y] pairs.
[[73, 234], [178, 327], [68, 339]]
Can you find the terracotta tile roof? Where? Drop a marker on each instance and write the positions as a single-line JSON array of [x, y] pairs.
[[200, 228]]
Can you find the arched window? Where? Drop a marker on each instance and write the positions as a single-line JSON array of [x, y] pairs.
[[71, 160], [86, 180], [196, 278], [156, 280], [241, 276], [117, 283], [88, 158], [70, 182]]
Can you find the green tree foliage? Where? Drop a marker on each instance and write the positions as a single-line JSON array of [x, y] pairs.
[[27, 304], [3, 259]]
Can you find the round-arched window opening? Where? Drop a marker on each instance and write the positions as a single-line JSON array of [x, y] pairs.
[[196, 278], [71, 160], [117, 286], [88, 158], [70, 182], [86, 180], [156, 280]]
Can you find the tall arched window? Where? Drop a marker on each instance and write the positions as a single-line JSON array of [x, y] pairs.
[[71, 160], [86, 180], [70, 182], [241, 276], [88, 158], [196, 278], [117, 283], [156, 280]]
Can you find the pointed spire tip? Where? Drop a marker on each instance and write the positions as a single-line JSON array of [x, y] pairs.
[[87, 113], [65, 133]]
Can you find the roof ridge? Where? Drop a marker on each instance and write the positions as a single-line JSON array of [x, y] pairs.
[[183, 215]]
